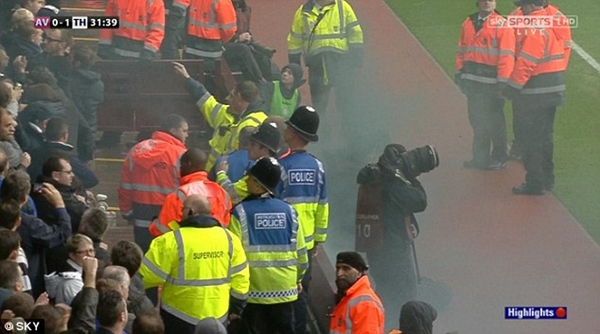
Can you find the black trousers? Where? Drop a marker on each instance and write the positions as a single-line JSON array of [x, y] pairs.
[[538, 139], [486, 115], [301, 305], [176, 325], [270, 319], [518, 128]]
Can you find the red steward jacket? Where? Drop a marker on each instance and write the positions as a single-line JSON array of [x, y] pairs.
[[360, 311], [193, 184], [141, 27], [486, 56], [210, 24], [150, 173]]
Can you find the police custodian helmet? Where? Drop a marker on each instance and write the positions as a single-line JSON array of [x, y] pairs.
[[305, 121], [267, 172]]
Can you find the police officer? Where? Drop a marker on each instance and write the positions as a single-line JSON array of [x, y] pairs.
[[264, 142], [200, 279], [274, 245], [303, 185]]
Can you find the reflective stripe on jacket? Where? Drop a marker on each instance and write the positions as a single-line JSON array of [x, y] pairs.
[[360, 311], [303, 186], [210, 23], [337, 30], [149, 174], [274, 246], [236, 190], [141, 27], [226, 127], [486, 56], [193, 184], [539, 66], [198, 278]]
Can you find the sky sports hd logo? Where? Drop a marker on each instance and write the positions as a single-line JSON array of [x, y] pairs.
[[537, 21], [535, 312]]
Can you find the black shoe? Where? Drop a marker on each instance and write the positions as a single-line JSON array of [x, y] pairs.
[[549, 186], [525, 189], [496, 165]]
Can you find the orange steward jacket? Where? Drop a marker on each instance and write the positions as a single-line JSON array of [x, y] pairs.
[[193, 184], [150, 173], [360, 311], [487, 56], [560, 25], [210, 24], [539, 72], [141, 28]]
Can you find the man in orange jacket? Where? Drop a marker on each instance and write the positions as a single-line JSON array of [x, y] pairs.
[[140, 33], [150, 173], [210, 25], [194, 181], [537, 87], [484, 61], [359, 309]]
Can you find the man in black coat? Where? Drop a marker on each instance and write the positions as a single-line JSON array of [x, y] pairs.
[[37, 236], [392, 265]]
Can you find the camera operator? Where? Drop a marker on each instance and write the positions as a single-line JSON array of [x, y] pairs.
[[392, 260]]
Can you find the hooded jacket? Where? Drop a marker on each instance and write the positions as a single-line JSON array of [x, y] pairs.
[[268, 90], [417, 317]]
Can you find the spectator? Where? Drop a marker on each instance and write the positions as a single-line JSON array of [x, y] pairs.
[[56, 317], [63, 286], [87, 88], [111, 313], [5, 94], [416, 317], [210, 326], [94, 224], [14, 105], [29, 207], [16, 158], [32, 5], [120, 275], [129, 255], [59, 173], [18, 41], [80, 134], [21, 304], [10, 279], [3, 60], [37, 236], [56, 145], [54, 56], [10, 220], [52, 8], [149, 323], [282, 96]]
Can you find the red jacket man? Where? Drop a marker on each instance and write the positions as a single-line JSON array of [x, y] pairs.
[[150, 173], [194, 181], [359, 309], [210, 24], [140, 33]]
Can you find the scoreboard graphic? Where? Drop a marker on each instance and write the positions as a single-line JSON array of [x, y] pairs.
[[76, 22]]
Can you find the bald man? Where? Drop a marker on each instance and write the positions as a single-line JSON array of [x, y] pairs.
[[194, 181], [202, 268]]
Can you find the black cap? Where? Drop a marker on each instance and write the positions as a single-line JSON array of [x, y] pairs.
[[267, 172], [305, 121], [353, 259], [268, 135]]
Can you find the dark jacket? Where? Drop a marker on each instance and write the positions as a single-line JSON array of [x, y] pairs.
[[83, 312], [74, 207], [60, 66], [138, 303], [417, 317], [18, 46], [37, 237], [80, 133], [29, 136], [87, 92], [56, 149]]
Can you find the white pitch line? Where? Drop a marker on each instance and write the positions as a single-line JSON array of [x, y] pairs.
[[586, 56]]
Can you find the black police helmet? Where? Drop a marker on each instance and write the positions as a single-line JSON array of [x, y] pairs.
[[305, 121], [267, 172], [268, 135]]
